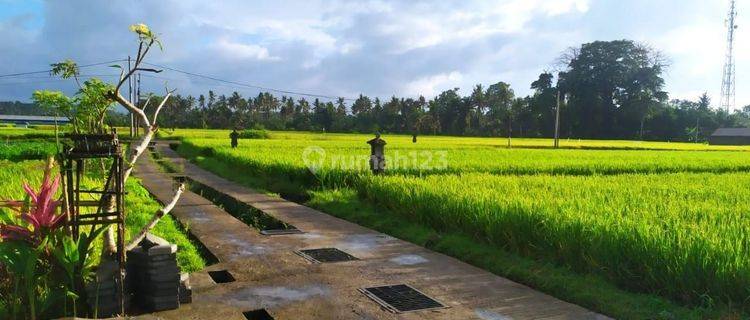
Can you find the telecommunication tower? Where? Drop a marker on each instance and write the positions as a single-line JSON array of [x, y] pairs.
[[728, 78]]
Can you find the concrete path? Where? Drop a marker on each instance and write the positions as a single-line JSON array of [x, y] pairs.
[[270, 275]]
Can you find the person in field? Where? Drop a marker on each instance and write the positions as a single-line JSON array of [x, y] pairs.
[[234, 136]]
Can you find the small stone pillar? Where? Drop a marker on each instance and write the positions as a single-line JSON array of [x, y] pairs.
[[377, 154], [154, 274]]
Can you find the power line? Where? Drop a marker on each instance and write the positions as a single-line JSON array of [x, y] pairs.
[[50, 80], [56, 77], [248, 85], [206, 83], [49, 70]]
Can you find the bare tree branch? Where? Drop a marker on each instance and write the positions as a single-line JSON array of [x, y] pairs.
[[155, 219], [138, 60], [131, 107], [161, 105], [137, 151], [148, 100], [150, 130]]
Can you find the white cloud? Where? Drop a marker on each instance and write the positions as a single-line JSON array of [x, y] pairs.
[[421, 27], [432, 85], [553, 8], [241, 51], [377, 47], [697, 52]]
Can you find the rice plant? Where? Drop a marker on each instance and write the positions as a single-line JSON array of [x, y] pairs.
[[670, 222]]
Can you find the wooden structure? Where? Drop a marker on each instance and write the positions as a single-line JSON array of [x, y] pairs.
[[730, 136], [108, 201]]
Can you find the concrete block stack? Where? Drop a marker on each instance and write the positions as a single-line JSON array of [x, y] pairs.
[[154, 275], [102, 293]]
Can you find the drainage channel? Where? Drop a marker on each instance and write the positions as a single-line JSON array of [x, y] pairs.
[[164, 163], [251, 216]]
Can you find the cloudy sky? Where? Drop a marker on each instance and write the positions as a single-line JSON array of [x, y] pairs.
[[379, 48]]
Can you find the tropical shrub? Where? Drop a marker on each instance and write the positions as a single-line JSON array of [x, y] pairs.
[[46, 268]]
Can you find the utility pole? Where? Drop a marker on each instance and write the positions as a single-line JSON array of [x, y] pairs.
[[697, 127], [728, 78], [510, 129], [130, 96], [557, 121], [138, 101]]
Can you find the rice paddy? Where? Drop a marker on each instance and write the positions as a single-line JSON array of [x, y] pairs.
[[26, 150], [660, 218]]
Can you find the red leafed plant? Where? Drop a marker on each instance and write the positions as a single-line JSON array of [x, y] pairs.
[[39, 210]]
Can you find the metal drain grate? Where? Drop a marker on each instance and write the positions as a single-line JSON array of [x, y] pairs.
[[401, 298], [276, 232], [260, 314], [221, 276], [326, 255]]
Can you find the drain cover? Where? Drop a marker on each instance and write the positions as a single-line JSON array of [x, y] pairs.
[[260, 314], [401, 298], [326, 255], [276, 232], [221, 276]]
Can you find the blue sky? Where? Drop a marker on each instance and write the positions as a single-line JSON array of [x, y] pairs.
[[379, 48]]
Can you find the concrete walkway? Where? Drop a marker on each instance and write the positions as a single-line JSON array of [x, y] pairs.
[[270, 275]]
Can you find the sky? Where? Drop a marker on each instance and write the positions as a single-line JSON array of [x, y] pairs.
[[377, 48]]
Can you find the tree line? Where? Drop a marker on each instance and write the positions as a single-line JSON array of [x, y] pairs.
[[606, 90]]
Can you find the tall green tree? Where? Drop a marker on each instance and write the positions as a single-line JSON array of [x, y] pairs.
[[613, 87]]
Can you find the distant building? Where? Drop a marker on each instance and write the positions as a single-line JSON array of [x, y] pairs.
[[730, 136], [25, 120]]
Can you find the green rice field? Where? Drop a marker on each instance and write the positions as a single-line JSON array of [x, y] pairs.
[[669, 219], [26, 150]]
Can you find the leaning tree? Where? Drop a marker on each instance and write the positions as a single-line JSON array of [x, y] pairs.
[[147, 39]]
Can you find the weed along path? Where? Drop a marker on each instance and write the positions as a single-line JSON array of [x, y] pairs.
[[268, 265]]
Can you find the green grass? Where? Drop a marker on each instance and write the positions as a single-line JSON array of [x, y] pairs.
[[139, 204], [18, 150], [663, 222], [165, 164], [11, 133], [591, 291], [638, 231], [140, 208]]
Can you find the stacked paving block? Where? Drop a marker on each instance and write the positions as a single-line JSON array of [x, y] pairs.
[[154, 275], [102, 293]]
